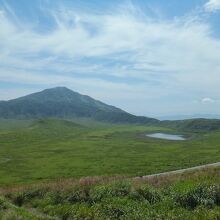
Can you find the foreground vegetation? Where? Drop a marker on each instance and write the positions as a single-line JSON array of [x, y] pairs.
[[194, 195], [35, 151]]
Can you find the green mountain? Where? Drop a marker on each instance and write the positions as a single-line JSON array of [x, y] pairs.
[[61, 102]]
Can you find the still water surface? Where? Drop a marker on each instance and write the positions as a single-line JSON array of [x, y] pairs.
[[165, 136]]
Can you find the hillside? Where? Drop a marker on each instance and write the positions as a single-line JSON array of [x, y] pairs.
[[198, 125], [61, 102]]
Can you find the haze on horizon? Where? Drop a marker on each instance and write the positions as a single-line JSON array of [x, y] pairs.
[[150, 58]]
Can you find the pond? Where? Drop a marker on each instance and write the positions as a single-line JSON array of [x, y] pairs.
[[165, 136]]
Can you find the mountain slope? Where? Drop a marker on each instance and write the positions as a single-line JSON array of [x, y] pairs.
[[61, 102]]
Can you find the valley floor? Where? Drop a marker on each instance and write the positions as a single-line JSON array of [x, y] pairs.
[[44, 150]]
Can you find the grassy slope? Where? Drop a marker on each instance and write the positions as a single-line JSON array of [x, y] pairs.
[[7, 125], [53, 149], [192, 195]]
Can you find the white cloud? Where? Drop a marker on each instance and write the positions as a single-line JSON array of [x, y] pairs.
[[115, 55], [212, 5], [208, 100]]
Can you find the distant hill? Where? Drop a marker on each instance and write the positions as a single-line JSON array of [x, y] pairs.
[[186, 117], [199, 124], [61, 102]]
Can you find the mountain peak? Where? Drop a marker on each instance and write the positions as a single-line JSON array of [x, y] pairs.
[[56, 94], [58, 88], [61, 102]]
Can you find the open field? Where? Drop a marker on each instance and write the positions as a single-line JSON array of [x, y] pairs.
[[51, 149], [190, 195]]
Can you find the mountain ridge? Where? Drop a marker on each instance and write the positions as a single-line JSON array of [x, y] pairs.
[[61, 102]]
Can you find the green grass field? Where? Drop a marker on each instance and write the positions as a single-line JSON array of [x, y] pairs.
[[192, 196], [33, 151]]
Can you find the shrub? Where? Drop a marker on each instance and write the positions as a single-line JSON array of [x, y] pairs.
[[18, 199], [121, 208], [55, 198], [79, 211], [11, 215], [116, 189], [78, 194], [62, 211], [21, 197], [82, 212], [206, 195], [147, 193], [2, 205], [114, 208]]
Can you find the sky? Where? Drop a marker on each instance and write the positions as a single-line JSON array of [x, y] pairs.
[[148, 57]]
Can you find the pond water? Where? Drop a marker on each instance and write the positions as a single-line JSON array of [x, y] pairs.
[[165, 136]]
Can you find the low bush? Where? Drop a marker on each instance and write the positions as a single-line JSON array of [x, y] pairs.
[[205, 195], [20, 198], [147, 193], [79, 194], [115, 189], [119, 199]]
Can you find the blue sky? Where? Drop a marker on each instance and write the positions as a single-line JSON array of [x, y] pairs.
[[149, 57]]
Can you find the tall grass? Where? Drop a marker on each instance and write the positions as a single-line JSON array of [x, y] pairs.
[[192, 195]]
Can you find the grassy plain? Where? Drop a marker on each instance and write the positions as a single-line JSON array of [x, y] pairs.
[[43, 150]]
